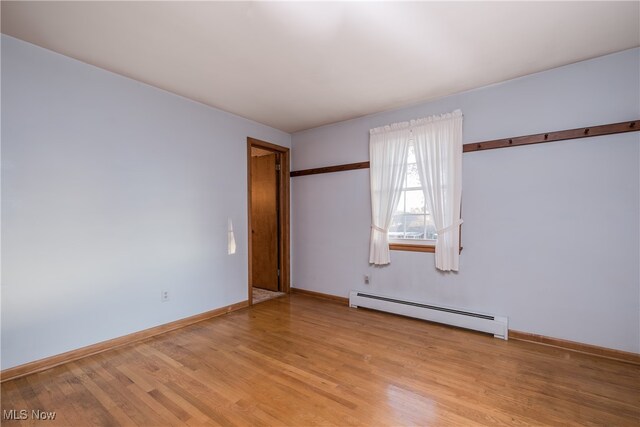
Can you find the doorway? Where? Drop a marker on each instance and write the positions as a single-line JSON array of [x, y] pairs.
[[268, 213]]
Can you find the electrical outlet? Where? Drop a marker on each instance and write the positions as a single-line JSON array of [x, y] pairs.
[[366, 279], [164, 297]]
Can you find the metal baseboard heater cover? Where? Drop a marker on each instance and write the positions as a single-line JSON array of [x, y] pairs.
[[489, 323]]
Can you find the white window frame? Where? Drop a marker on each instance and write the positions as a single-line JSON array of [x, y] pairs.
[[412, 242]]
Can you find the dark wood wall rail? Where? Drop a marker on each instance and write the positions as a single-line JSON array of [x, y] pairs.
[[339, 168], [561, 135]]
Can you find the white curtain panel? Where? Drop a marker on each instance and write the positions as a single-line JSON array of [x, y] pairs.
[[388, 147], [438, 147]]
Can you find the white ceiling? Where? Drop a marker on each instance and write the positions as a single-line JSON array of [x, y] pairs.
[[295, 66]]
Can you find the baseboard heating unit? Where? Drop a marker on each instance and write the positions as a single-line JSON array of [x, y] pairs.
[[489, 323]]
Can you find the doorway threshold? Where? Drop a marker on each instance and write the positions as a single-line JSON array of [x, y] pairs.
[[262, 295]]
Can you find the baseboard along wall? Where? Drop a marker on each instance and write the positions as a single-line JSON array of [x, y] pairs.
[[335, 298], [593, 350], [70, 356]]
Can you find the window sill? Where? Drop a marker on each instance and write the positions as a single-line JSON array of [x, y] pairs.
[[411, 248]]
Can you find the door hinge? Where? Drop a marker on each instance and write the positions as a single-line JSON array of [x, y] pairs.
[[278, 272], [278, 166]]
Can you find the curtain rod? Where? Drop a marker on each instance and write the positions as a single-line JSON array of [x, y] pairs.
[[539, 138]]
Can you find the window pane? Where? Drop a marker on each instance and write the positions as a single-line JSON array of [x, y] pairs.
[[401, 204], [411, 156], [415, 225], [415, 201], [431, 229], [396, 230], [413, 179], [412, 227]]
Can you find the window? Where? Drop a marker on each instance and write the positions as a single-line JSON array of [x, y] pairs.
[[431, 147], [412, 224]]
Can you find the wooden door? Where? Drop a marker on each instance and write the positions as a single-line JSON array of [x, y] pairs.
[[264, 222]]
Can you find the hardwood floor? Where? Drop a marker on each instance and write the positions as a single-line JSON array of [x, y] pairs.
[[305, 361]]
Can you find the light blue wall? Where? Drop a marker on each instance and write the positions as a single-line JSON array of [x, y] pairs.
[[550, 235], [112, 191]]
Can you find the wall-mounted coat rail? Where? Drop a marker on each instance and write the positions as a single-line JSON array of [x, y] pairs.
[[608, 129]]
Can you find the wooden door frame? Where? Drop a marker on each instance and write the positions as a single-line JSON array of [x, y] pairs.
[[283, 205]]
